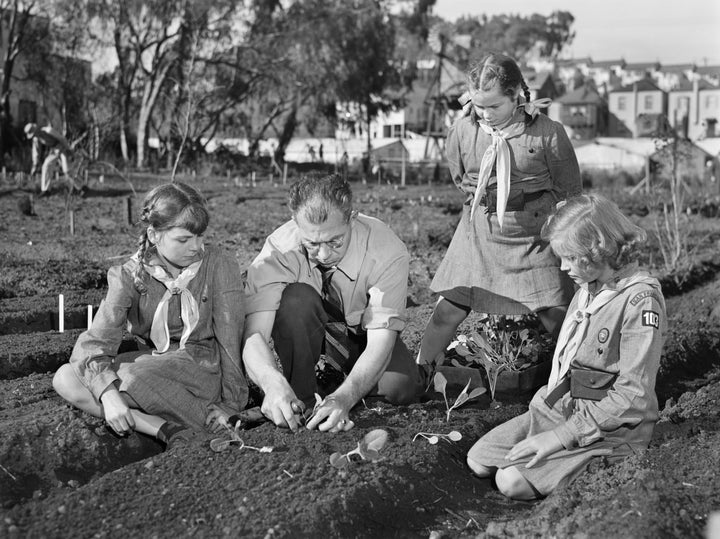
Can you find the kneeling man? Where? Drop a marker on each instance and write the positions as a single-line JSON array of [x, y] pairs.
[[334, 282]]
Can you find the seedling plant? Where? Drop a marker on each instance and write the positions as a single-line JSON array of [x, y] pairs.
[[502, 343], [223, 444], [432, 438], [367, 449], [441, 385]]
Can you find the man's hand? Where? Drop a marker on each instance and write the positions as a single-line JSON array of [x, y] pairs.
[[541, 445], [216, 419], [117, 412], [282, 407], [332, 415]]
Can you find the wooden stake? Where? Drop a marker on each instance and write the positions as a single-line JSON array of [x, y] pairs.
[[90, 316], [61, 313], [72, 222], [128, 208], [252, 176], [284, 173]]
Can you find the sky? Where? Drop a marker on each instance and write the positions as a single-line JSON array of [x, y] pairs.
[[667, 31]]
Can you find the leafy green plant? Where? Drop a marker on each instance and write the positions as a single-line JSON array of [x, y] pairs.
[[440, 386], [367, 449], [433, 438], [502, 343]]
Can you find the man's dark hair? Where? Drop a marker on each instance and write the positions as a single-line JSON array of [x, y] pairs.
[[317, 196]]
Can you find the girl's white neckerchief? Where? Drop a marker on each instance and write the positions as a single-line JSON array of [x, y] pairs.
[[189, 310], [497, 154]]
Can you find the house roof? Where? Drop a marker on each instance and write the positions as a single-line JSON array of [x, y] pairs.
[[608, 63], [583, 95], [708, 70], [687, 86], [709, 145], [676, 68], [563, 62], [643, 85], [642, 66]]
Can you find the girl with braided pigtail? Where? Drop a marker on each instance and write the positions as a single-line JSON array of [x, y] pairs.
[[512, 165], [182, 303]]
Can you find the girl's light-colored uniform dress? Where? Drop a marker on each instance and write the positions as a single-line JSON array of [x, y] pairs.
[[508, 270], [622, 335], [179, 384]]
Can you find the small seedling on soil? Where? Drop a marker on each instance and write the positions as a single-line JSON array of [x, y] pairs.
[[221, 444], [318, 404], [368, 449], [432, 438], [441, 384]]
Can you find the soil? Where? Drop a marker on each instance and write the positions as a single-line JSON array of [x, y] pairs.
[[63, 474]]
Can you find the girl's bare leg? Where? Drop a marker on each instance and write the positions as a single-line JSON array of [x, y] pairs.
[[440, 330], [514, 485], [69, 387], [552, 319]]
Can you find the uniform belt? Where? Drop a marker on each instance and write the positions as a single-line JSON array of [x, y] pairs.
[[516, 200], [560, 390]]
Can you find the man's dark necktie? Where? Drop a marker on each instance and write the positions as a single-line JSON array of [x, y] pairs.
[[336, 338]]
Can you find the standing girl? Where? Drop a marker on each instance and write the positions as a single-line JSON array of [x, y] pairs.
[[600, 399], [183, 305], [514, 165]]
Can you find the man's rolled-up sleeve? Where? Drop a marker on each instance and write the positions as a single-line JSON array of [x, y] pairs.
[[387, 295]]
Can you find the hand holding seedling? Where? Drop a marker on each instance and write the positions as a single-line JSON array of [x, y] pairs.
[[282, 406], [332, 414], [541, 445]]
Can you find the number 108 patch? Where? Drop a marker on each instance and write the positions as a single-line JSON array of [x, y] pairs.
[[651, 318]]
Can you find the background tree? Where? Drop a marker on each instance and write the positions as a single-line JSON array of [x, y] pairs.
[[22, 34]]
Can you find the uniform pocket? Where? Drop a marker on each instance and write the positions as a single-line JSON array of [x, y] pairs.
[[590, 384]]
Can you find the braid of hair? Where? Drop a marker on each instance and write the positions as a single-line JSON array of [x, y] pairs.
[[526, 90], [526, 93], [139, 273]]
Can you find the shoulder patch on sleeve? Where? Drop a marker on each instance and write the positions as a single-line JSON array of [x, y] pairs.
[[644, 294], [651, 319]]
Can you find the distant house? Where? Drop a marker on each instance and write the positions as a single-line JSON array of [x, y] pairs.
[[583, 112], [694, 109], [572, 71], [708, 73], [541, 85], [637, 109], [46, 87], [638, 71], [606, 74], [669, 77]]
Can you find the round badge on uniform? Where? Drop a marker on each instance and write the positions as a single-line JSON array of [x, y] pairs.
[[603, 335]]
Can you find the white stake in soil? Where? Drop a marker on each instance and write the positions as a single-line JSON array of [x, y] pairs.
[[90, 315], [61, 313]]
